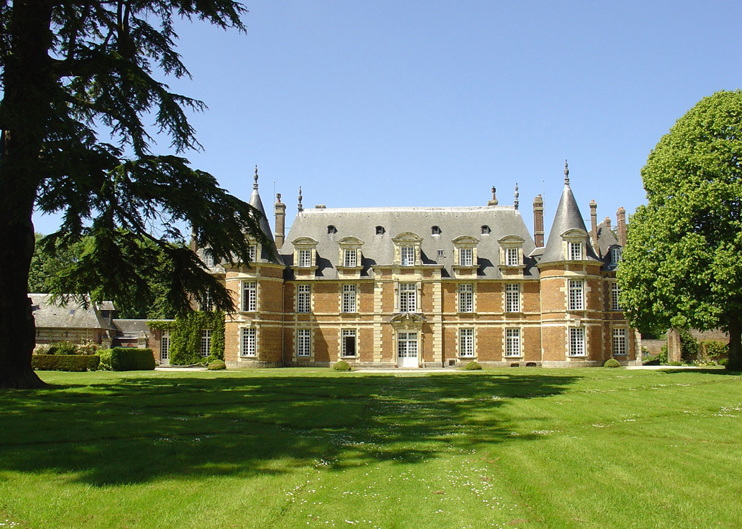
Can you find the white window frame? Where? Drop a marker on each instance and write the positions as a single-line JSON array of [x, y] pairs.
[[349, 333], [252, 253], [350, 258], [303, 343], [466, 256], [304, 298], [512, 297], [577, 341], [615, 291], [407, 297], [620, 342], [249, 296], [407, 255], [208, 303], [165, 345], [349, 299], [512, 257], [615, 255], [209, 260], [205, 342], [466, 297], [304, 257], [248, 342], [575, 251], [576, 289], [512, 343], [406, 341], [466, 342]]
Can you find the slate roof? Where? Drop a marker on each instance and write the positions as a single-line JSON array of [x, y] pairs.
[[379, 249], [268, 253], [567, 217], [71, 316], [606, 241]]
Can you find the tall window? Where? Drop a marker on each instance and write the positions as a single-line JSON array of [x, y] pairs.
[[252, 252], [466, 342], [205, 342], [208, 302], [349, 258], [512, 297], [576, 341], [348, 338], [303, 298], [249, 296], [512, 342], [303, 342], [407, 254], [165, 345], [615, 255], [619, 342], [305, 258], [466, 297], [407, 297], [465, 256], [615, 305], [575, 251], [248, 342], [349, 298], [576, 294], [511, 257], [407, 345]]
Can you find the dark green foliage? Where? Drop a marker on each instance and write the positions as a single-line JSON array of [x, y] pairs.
[[714, 350], [65, 362], [689, 346], [130, 359], [342, 365], [105, 360], [185, 340], [473, 366], [216, 365], [67, 348], [612, 362]]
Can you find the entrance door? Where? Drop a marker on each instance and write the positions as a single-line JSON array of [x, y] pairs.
[[407, 349]]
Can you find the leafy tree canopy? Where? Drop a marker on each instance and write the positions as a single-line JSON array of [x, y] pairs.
[[681, 266]]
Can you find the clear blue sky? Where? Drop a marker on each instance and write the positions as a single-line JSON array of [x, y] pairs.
[[431, 103]]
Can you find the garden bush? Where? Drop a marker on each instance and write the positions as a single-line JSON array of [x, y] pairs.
[[130, 359], [612, 362], [675, 363], [472, 366], [714, 350], [342, 365], [217, 364], [64, 362], [62, 348], [105, 360]]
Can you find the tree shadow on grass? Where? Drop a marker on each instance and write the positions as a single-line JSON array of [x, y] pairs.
[[148, 427]]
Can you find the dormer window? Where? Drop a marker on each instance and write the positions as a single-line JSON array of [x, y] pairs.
[[350, 253], [252, 252], [331, 229], [305, 253], [615, 255], [305, 258], [511, 253], [407, 249], [407, 255], [574, 244], [575, 251], [486, 230], [349, 258], [209, 261], [511, 257], [380, 230], [466, 256], [435, 230]]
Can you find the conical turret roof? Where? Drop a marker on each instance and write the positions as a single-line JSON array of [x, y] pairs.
[[269, 254]]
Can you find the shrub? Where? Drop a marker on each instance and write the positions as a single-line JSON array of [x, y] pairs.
[[342, 365], [662, 357], [612, 362], [715, 350], [87, 348], [105, 360], [62, 348], [675, 363], [472, 366], [689, 346], [65, 362], [130, 359], [217, 364], [650, 360]]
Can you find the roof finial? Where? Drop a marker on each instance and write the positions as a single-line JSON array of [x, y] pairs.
[[493, 202], [301, 208], [255, 185], [566, 173], [515, 203], [278, 198]]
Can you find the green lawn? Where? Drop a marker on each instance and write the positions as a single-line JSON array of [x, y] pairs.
[[287, 448]]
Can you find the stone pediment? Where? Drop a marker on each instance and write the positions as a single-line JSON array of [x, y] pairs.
[[407, 320]]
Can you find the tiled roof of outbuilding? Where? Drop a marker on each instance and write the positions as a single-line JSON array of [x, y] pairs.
[[70, 316]]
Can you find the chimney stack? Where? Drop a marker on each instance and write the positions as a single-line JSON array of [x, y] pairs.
[[594, 225], [280, 221], [621, 216], [538, 221]]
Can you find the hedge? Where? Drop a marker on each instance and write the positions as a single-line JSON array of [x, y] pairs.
[[130, 359], [65, 362]]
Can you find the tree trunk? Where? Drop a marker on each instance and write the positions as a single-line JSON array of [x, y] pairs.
[[25, 111], [735, 337]]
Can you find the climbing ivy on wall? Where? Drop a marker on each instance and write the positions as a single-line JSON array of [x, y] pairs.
[[185, 336]]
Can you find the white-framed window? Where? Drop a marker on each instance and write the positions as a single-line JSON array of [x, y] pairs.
[[466, 342], [407, 255], [576, 341], [249, 344], [205, 342], [619, 342], [512, 297], [407, 297], [252, 253], [305, 258], [349, 258], [511, 257], [576, 294], [208, 302], [615, 291], [165, 345], [466, 297], [349, 298], [349, 339], [575, 251], [249, 296], [407, 345], [466, 256], [303, 298], [209, 259], [615, 255], [303, 342], [512, 342]]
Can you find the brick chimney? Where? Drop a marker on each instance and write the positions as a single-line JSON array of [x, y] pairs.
[[280, 221], [194, 243], [621, 221], [594, 225], [538, 221]]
